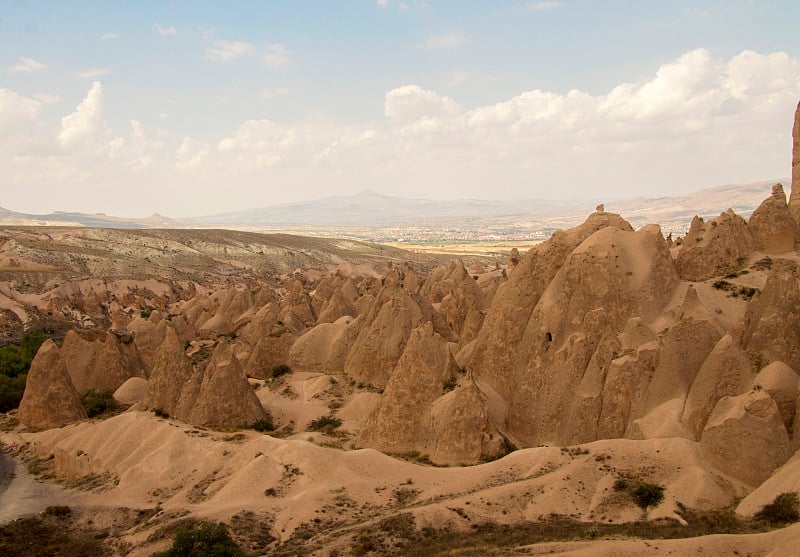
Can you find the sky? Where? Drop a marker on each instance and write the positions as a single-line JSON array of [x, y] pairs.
[[190, 108]]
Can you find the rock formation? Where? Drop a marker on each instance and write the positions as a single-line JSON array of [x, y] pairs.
[[772, 320], [100, 361], [794, 199], [713, 248], [220, 396], [772, 225], [745, 437], [50, 399]]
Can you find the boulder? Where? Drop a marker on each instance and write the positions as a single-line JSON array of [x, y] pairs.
[[745, 437]]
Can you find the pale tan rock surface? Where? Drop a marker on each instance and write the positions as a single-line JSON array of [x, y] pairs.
[[131, 391], [781, 382], [714, 248], [98, 360], [745, 437], [220, 396], [401, 421], [171, 371], [772, 320], [50, 400], [794, 199], [727, 371], [772, 225]]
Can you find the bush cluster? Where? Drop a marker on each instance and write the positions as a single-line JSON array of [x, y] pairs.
[[15, 361], [207, 540], [97, 401]]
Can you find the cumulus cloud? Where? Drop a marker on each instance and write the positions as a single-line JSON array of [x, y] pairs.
[[696, 121], [169, 31], [26, 65], [277, 56], [412, 102], [225, 51], [15, 109], [190, 153], [86, 126], [448, 41]]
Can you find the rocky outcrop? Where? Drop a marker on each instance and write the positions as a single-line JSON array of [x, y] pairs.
[[401, 422], [781, 382], [220, 396], [100, 360], [384, 331], [324, 348], [726, 372], [714, 248], [170, 373], [745, 437], [50, 399], [772, 225], [498, 348], [772, 320]]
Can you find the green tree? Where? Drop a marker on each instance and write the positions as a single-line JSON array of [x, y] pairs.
[[207, 540]]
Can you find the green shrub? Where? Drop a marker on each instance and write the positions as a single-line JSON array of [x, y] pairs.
[[95, 401], [11, 391], [31, 342], [264, 425], [647, 495], [12, 362], [58, 510], [784, 509], [207, 540], [280, 369], [324, 424]]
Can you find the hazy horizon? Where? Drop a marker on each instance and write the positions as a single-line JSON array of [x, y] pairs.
[[198, 109]]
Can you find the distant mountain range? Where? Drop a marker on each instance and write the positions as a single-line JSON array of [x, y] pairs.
[[97, 220], [371, 208], [368, 208]]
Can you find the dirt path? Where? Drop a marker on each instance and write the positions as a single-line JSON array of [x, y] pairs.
[[22, 494]]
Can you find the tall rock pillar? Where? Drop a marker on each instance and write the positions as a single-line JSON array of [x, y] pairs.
[[794, 198]]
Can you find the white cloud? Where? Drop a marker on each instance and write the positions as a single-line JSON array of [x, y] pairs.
[[26, 65], [277, 56], [697, 121], [15, 108], [93, 73], [541, 6], [44, 98], [86, 126], [412, 102], [190, 153], [383, 3], [225, 51], [109, 36], [448, 41], [165, 31]]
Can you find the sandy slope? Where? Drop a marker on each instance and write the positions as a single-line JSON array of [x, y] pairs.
[[293, 482]]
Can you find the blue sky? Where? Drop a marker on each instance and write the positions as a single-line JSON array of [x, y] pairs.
[[200, 107]]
